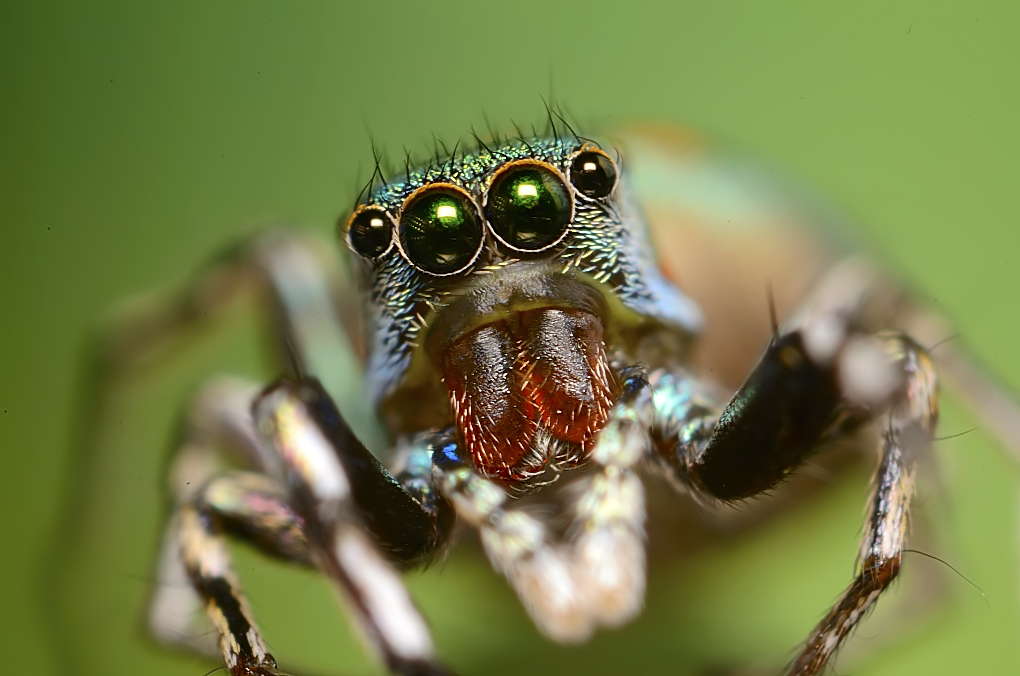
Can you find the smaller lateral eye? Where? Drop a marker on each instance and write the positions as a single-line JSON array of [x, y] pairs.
[[593, 173], [370, 232]]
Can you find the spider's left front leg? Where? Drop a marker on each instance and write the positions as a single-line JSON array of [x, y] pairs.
[[814, 383]]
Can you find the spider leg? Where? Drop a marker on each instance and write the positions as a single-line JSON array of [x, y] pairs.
[[195, 563], [906, 438], [294, 276], [818, 381], [329, 476], [207, 564], [218, 433], [317, 498]]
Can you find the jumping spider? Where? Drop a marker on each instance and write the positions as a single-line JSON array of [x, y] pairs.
[[523, 346]]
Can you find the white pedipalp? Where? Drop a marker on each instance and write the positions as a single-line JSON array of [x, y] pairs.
[[519, 547], [609, 515]]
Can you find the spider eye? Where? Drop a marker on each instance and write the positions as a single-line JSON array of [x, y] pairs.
[[370, 232], [529, 206], [593, 173], [440, 229]]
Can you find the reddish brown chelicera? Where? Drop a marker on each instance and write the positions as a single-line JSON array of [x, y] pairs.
[[545, 366]]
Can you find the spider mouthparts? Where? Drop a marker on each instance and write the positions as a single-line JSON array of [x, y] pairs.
[[543, 369]]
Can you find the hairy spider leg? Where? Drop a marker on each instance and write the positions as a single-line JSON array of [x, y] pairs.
[[906, 438], [207, 564], [195, 573], [817, 381], [247, 505], [323, 480], [299, 504], [217, 433]]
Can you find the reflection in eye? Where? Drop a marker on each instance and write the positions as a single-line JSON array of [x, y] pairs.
[[527, 190]]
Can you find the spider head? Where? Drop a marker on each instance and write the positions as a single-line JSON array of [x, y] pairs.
[[502, 287]]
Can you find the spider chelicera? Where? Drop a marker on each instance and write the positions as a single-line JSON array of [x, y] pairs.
[[524, 347]]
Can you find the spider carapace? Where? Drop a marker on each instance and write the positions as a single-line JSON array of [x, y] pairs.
[[523, 340]]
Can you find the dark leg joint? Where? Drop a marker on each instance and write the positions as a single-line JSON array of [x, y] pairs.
[[403, 527], [251, 508], [770, 426]]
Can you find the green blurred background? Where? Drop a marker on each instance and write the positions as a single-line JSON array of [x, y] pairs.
[[139, 137]]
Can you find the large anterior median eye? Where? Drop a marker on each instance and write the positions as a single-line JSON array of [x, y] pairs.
[[370, 232], [440, 229], [593, 173], [529, 206]]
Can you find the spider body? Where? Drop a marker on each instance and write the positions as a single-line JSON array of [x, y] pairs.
[[520, 330]]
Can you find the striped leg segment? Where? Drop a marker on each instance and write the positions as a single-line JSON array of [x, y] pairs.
[[316, 498], [208, 566], [324, 478], [218, 432], [819, 381], [906, 438], [249, 506]]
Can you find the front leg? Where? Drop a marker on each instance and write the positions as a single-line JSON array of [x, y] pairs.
[[313, 496], [906, 437], [809, 388], [332, 484], [774, 422]]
